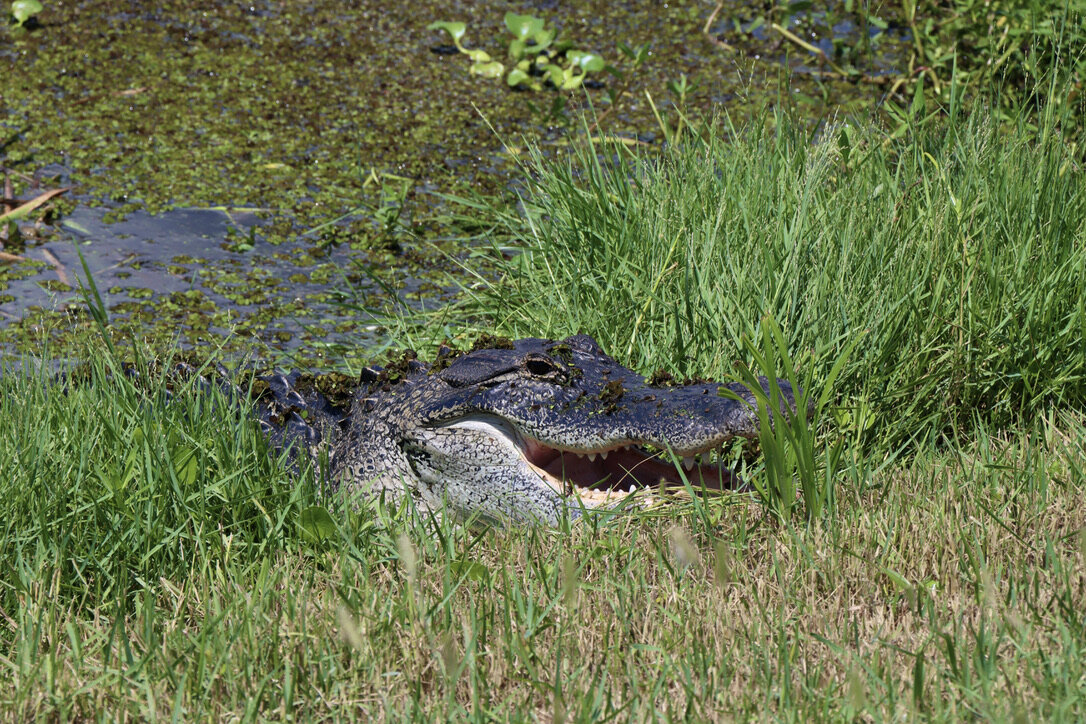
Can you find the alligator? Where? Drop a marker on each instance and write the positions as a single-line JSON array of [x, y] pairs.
[[509, 431]]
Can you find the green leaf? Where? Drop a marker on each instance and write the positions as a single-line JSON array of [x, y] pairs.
[[554, 74], [900, 582], [14, 579], [844, 144], [516, 77], [493, 69], [470, 569], [573, 81], [516, 48], [918, 108], [186, 465], [593, 63], [76, 227], [542, 39], [588, 62], [456, 30], [23, 10], [316, 524], [523, 26], [478, 56], [918, 680]]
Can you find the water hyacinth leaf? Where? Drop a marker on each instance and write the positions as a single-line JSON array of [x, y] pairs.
[[542, 39], [572, 81], [516, 48], [516, 77], [517, 25], [574, 56], [589, 62], [523, 26], [316, 524], [456, 30], [493, 69], [23, 10], [593, 63], [478, 56], [555, 74]]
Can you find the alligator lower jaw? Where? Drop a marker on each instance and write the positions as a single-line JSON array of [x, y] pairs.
[[621, 469]]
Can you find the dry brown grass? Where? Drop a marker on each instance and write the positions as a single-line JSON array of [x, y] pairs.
[[972, 564]]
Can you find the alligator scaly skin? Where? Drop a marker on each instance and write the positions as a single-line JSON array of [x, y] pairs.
[[453, 435]]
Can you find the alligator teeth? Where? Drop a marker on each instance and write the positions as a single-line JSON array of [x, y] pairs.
[[591, 457], [603, 455], [688, 462]]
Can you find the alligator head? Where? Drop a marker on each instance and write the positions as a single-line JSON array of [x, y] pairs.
[[508, 433]]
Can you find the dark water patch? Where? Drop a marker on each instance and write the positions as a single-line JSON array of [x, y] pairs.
[[793, 35], [201, 276]]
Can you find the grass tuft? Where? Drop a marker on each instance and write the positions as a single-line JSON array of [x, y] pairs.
[[952, 261]]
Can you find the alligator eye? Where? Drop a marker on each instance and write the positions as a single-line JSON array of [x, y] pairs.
[[540, 366]]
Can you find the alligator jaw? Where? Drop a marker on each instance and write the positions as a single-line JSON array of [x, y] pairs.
[[617, 470], [623, 468]]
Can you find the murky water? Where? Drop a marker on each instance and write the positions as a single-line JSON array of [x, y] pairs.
[[160, 114]]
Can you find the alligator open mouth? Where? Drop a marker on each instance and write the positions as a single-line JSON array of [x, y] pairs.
[[621, 468], [625, 468]]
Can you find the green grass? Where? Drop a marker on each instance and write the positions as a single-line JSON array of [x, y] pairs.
[[192, 593], [953, 260], [154, 561]]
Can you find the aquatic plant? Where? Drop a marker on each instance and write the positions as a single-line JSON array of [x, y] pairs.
[[537, 55], [23, 10], [481, 62], [1017, 51]]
